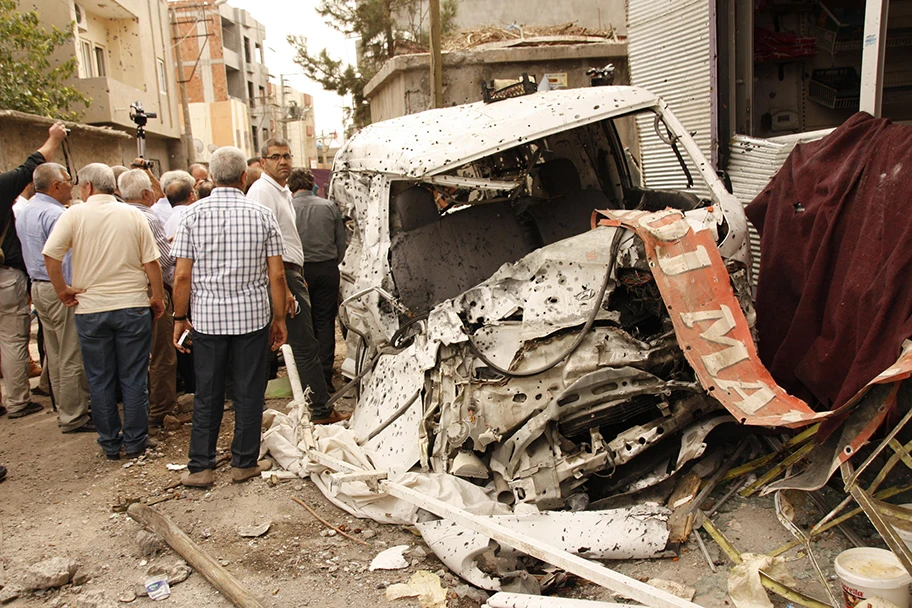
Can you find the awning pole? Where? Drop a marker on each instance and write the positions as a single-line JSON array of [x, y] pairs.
[[872, 57]]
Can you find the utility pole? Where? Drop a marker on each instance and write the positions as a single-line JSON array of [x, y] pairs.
[[436, 58], [282, 116], [187, 131]]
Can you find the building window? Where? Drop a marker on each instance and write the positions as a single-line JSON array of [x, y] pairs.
[[162, 77], [247, 50], [262, 96], [256, 143], [86, 59], [100, 61], [250, 98]]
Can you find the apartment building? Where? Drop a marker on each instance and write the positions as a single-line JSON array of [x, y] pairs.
[[125, 56], [298, 126], [223, 68]]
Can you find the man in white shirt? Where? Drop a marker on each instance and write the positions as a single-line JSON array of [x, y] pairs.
[[270, 191], [181, 193], [115, 261]]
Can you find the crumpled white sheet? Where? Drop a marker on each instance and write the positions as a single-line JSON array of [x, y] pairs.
[[744, 586], [283, 441]]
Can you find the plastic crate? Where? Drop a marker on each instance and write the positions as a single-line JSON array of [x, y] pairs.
[[838, 30], [840, 88], [835, 88]]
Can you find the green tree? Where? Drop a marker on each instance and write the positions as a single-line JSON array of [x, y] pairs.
[[28, 80], [386, 28]]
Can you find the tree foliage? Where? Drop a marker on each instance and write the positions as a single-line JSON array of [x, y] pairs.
[[385, 28], [29, 82]]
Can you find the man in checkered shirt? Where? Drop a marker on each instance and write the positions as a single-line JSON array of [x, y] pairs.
[[229, 257]]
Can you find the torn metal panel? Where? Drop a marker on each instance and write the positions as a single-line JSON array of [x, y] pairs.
[[521, 600], [693, 437], [392, 385], [633, 533], [587, 569], [553, 287], [695, 286]]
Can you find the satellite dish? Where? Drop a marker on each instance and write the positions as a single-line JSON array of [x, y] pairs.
[[213, 147], [198, 144]]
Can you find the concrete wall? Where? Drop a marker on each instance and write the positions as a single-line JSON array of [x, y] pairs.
[[21, 134], [403, 84], [593, 14]]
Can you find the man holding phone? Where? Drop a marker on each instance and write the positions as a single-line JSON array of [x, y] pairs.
[[229, 258]]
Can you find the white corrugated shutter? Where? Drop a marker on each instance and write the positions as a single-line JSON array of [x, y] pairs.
[[669, 51], [752, 164]]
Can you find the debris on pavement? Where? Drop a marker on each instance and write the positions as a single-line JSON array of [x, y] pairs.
[[254, 531], [50, 573], [157, 587], [425, 586], [673, 587], [150, 544], [390, 559]]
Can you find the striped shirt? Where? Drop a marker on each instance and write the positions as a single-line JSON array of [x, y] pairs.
[[228, 237], [165, 260]]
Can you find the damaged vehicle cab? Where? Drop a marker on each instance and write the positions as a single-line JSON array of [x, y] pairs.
[[498, 332]]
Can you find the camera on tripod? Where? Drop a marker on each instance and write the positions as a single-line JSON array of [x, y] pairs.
[[141, 117]]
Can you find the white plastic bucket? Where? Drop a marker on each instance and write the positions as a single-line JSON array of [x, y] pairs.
[[867, 572]]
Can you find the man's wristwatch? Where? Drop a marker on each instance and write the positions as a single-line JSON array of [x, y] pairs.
[[178, 318]]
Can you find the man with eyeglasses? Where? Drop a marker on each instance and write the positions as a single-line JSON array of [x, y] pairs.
[[54, 191], [14, 307], [271, 192]]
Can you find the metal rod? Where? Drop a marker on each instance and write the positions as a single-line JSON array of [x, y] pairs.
[[705, 551], [820, 528]]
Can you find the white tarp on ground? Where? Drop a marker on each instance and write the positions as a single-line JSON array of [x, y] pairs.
[[283, 441]]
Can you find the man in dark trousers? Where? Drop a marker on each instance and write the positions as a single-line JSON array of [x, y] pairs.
[[271, 192], [14, 306], [229, 257], [324, 240]]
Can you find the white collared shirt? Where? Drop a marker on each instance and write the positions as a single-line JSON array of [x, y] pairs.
[[267, 192], [162, 210]]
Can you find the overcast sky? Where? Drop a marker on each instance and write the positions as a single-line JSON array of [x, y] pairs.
[[298, 17]]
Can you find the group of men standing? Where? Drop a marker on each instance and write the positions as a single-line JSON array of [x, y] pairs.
[[113, 283]]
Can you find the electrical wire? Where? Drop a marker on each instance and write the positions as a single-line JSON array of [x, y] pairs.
[[615, 245]]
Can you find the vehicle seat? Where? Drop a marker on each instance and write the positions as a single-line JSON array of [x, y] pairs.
[[440, 260], [567, 215]]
